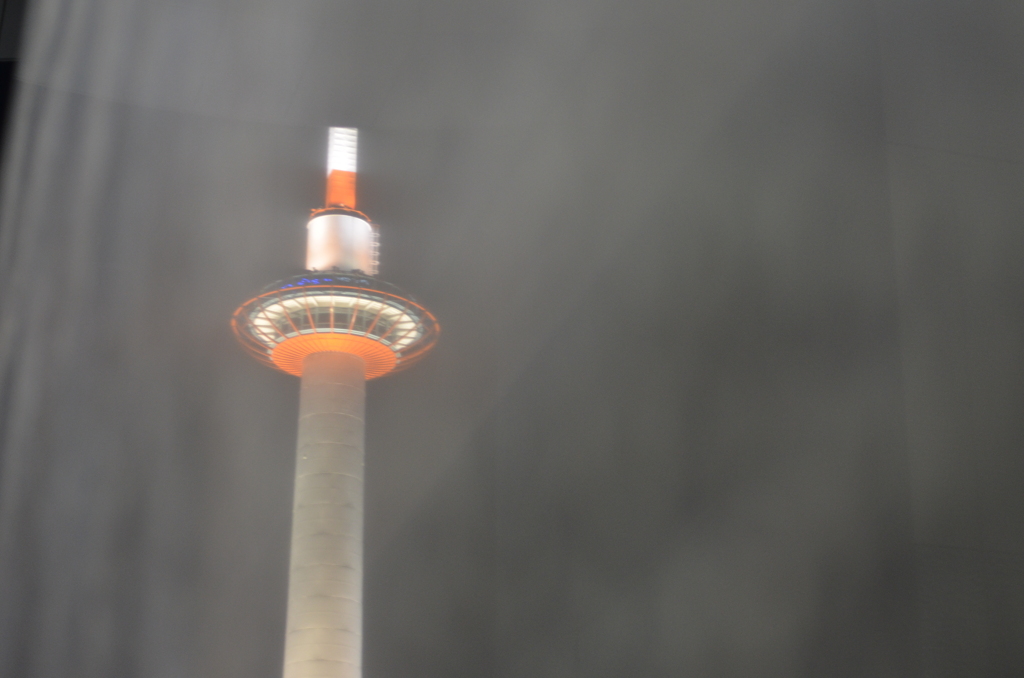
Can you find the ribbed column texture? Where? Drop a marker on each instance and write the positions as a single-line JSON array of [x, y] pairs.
[[325, 587]]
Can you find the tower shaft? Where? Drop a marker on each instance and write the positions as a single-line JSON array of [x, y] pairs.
[[325, 587], [335, 326]]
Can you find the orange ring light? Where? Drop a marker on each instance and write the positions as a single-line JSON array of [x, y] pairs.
[[289, 354], [335, 311]]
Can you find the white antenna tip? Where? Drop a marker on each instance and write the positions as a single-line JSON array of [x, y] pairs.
[[341, 149]]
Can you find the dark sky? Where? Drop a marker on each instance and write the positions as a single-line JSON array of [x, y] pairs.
[[732, 365]]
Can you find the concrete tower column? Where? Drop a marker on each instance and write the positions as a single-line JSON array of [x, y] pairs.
[[325, 586]]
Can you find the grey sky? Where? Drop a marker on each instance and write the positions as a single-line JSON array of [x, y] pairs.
[[730, 378]]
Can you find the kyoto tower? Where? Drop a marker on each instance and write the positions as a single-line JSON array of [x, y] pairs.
[[335, 326]]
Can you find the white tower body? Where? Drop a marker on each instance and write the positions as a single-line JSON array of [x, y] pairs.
[[341, 241], [325, 586], [325, 580]]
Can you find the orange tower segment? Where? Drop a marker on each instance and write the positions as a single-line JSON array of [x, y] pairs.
[[341, 189]]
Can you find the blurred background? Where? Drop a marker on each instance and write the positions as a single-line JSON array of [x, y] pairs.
[[732, 370]]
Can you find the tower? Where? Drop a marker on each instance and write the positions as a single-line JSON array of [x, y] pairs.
[[335, 326]]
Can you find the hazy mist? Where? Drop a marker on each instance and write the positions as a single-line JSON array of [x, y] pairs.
[[732, 363]]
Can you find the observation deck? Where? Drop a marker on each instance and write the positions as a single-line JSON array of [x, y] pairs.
[[343, 311]]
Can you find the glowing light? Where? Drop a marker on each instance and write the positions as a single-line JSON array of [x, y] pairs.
[[325, 313], [378, 360], [342, 143], [335, 312]]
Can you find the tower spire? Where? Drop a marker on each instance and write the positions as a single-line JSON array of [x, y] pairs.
[[340, 237], [342, 144]]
